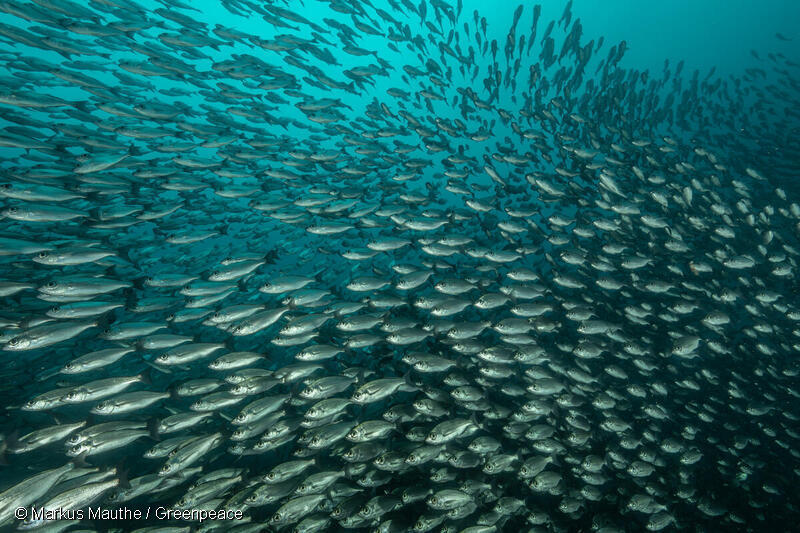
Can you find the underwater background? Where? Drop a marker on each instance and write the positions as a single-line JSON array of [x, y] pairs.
[[399, 265]]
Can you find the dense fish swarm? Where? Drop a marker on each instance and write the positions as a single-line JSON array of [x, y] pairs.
[[359, 272]]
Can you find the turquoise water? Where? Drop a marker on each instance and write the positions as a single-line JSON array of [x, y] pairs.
[[435, 269]]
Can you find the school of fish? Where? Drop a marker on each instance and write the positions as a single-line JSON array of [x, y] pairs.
[[447, 289]]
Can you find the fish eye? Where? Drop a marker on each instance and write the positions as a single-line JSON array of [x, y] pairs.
[[276, 517], [52, 284], [55, 309]]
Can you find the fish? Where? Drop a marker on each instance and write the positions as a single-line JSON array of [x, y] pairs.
[[480, 272]]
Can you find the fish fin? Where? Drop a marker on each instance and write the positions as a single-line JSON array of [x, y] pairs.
[[173, 391], [159, 368], [473, 418], [219, 454], [152, 428], [130, 297], [414, 386], [123, 477], [229, 344], [296, 387], [90, 419], [271, 256], [80, 461], [104, 320], [12, 441], [241, 282], [48, 375], [146, 376]]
